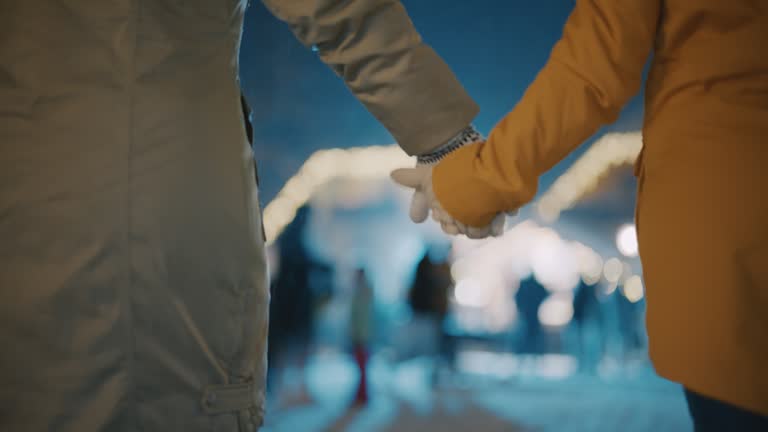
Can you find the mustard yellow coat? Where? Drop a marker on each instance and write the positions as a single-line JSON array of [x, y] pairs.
[[702, 211]]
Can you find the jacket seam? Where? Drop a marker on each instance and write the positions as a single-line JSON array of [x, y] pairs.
[[132, 338]]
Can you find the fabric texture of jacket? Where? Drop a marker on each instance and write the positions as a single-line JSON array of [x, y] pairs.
[[702, 215], [133, 281]]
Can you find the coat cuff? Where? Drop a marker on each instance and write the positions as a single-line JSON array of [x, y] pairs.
[[465, 197], [468, 135]]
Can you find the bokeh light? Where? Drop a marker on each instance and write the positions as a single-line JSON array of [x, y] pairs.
[[556, 310], [613, 270], [471, 293], [626, 240], [633, 289]]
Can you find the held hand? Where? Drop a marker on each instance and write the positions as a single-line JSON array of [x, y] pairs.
[[424, 202]]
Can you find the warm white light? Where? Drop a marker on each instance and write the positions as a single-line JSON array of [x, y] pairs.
[[613, 270], [548, 210], [377, 161], [556, 310], [609, 288], [626, 272], [626, 240], [590, 280], [470, 293], [322, 166], [590, 263], [461, 269], [633, 289], [611, 150], [554, 263]]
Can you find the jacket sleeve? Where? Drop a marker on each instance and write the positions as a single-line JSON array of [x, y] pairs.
[[592, 71], [374, 47]]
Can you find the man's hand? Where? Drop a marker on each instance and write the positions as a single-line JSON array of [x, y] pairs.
[[424, 201]]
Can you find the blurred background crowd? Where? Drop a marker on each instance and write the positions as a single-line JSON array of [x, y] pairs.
[[380, 324]]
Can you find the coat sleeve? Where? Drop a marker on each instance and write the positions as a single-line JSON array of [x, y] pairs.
[[592, 71], [374, 47]]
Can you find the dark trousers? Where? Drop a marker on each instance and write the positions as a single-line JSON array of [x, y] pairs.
[[361, 358], [710, 415]]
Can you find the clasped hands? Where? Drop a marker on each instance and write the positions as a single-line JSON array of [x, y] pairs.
[[424, 202]]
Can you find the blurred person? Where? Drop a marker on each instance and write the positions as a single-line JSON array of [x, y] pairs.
[[428, 298], [447, 340], [292, 309], [132, 266], [360, 323], [590, 325], [529, 297], [630, 326], [702, 176]]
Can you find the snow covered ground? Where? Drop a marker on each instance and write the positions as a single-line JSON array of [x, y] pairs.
[[531, 397]]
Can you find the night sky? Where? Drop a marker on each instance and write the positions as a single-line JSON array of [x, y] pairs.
[[495, 47]]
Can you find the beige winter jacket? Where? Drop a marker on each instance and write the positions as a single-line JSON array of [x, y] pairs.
[[133, 290]]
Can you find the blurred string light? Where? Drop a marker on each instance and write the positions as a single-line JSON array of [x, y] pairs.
[[590, 264], [322, 166], [556, 310], [626, 272], [469, 292], [611, 150], [554, 263], [633, 289], [581, 178], [626, 240], [608, 289], [378, 161], [613, 270], [526, 248]]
